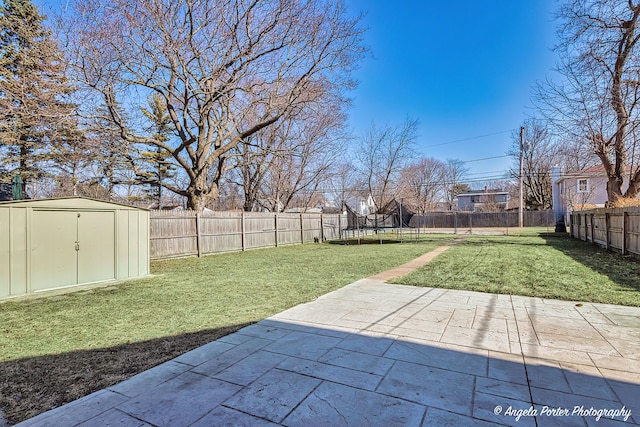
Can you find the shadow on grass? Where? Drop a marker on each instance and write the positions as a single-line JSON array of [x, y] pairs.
[[347, 242], [31, 386], [504, 240], [623, 270], [372, 240]]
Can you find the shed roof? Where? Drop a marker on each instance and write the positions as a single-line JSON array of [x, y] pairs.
[[69, 203]]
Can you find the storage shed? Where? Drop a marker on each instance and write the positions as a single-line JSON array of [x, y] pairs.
[[57, 243]]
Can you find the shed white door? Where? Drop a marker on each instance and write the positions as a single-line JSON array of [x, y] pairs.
[[96, 231], [70, 248]]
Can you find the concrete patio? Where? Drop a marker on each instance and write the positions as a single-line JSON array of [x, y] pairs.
[[375, 354]]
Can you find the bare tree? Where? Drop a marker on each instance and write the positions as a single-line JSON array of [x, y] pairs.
[[381, 156], [253, 161], [540, 154], [280, 163], [342, 183], [311, 149], [423, 184], [597, 103], [454, 175], [224, 69]]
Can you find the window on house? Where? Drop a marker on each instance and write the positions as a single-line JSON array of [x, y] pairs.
[[583, 185]]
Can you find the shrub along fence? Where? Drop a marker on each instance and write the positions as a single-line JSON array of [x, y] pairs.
[[614, 229], [187, 233]]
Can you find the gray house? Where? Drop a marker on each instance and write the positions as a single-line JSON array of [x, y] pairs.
[[487, 200]]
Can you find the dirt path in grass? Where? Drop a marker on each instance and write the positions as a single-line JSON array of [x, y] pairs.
[[416, 263]]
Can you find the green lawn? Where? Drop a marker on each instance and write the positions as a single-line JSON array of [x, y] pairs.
[[58, 348], [546, 266]]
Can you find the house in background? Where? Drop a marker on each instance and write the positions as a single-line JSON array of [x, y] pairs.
[[361, 202], [582, 189], [579, 190], [487, 200]]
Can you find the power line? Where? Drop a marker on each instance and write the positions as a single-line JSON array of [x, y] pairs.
[[486, 158], [469, 139]]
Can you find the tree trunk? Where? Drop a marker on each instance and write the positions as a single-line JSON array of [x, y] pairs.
[[633, 189], [199, 193], [249, 203], [614, 189]]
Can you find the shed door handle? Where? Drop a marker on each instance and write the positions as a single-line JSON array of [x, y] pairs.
[[77, 245]]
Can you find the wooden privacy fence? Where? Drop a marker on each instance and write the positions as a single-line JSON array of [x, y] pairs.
[[482, 219], [186, 233], [614, 229]]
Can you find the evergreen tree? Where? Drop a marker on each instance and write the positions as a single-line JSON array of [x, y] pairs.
[[71, 154], [33, 89], [159, 165]]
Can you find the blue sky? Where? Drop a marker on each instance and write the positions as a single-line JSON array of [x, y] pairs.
[[463, 69]]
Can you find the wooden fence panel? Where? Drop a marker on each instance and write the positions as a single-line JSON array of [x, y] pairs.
[[176, 234], [289, 229], [220, 233], [260, 230], [483, 219], [311, 228], [633, 232], [172, 234], [615, 229]]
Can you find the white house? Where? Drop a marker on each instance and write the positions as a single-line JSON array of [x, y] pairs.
[[583, 189]]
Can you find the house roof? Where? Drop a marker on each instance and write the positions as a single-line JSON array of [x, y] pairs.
[[593, 171], [489, 192]]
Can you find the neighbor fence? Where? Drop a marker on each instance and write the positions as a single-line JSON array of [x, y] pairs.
[[187, 233], [470, 220], [614, 229]]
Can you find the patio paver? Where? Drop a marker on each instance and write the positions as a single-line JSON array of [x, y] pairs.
[[378, 354]]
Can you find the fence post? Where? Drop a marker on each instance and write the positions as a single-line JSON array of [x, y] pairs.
[[198, 244], [301, 230], [455, 222], [340, 226], [571, 225], [607, 228], [579, 226], [321, 229], [242, 232], [276, 223], [471, 223], [625, 217]]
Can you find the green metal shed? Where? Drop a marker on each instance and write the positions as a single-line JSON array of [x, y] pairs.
[[58, 243]]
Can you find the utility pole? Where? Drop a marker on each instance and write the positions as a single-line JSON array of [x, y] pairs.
[[520, 219]]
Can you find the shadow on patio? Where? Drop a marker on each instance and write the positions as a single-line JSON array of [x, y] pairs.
[[290, 373]]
